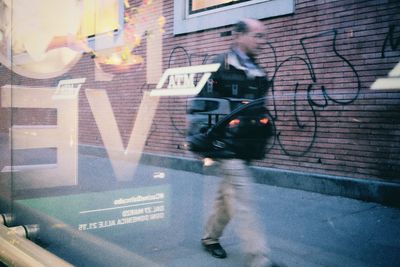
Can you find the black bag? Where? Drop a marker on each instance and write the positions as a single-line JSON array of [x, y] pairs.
[[216, 132]]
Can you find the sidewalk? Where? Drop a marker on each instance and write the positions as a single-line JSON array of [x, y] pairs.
[[303, 228]]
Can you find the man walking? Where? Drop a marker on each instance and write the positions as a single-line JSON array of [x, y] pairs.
[[239, 77]]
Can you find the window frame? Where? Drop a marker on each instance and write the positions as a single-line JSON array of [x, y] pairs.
[[227, 15]]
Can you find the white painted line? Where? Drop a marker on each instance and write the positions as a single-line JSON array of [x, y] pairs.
[[122, 207]]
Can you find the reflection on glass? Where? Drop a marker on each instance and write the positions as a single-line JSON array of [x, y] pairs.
[[79, 200], [45, 38], [35, 38], [63, 136], [99, 17], [92, 135]]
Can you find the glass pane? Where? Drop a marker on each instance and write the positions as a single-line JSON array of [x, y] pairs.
[[138, 147], [5, 124]]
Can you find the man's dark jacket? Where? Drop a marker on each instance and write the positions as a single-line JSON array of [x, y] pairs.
[[234, 80], [238, 84]]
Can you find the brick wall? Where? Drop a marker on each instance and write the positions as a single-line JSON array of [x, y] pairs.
[[322, 60]]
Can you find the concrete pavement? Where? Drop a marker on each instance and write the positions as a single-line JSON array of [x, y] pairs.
[[303, 228]]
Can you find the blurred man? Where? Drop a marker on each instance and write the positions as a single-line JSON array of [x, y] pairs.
[[239, 77]]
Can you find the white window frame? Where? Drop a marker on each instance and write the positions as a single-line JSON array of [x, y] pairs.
[[227, 15]]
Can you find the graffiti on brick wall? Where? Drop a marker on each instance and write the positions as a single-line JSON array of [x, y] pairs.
[[325, 77], [314, 88]]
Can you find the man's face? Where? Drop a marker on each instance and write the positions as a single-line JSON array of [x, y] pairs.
[[252, 41]]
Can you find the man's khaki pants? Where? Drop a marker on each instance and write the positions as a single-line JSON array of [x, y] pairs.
[[234, 198]]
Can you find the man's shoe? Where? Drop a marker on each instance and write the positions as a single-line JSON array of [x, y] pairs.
[[215, 250]]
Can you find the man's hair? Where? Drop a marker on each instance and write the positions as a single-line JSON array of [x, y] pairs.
[[241, 27]]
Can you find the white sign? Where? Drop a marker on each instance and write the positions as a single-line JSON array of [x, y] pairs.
[[68, 89], [181, 80]]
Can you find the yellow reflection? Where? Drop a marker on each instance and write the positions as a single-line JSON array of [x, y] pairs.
[[200, 4], [144, 20], [37, 34], [44, 38], [99, 16]]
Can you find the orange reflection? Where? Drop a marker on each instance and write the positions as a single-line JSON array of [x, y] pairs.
[[138, 23]]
